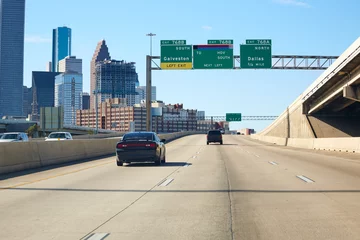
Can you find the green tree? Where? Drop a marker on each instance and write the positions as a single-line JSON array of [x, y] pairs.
[[32, 130]]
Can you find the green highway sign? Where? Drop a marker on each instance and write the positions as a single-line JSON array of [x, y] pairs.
[[255, 56], [176, 56], [225, 41], [259, 41], [233, 117], [213, 56], [173, 42]]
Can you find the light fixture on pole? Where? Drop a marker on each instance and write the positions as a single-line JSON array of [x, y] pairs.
[[151, 35]]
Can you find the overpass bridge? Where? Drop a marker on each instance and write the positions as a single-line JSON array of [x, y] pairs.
[[328, 108]]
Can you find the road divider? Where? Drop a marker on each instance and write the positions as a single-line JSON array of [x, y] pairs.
[[20, 156]]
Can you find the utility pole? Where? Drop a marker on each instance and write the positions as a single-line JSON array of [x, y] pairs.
[[148, 85]]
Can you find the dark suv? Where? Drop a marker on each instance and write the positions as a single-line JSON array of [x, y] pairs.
[[214, 136]]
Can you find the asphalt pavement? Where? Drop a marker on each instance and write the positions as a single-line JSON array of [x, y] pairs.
[[243, 189]]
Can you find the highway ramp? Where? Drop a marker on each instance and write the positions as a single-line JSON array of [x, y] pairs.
[[243, 189]]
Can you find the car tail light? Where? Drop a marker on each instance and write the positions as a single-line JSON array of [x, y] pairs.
[[151, 145]]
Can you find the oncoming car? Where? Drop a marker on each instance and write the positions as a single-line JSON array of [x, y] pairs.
[[140, 147], [59, 136]]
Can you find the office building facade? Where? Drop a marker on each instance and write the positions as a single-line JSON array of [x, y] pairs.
[[68, 94], [85, 101], [141, 94], [12, 20], [116, 79], [61, 46], [27, 101], [101, 53], [43, 85], [70, 64]]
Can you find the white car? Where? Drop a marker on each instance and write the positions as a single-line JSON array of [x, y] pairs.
[[14, 137], [59, 136]]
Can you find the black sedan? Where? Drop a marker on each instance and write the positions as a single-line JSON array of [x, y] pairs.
[[140, 147]]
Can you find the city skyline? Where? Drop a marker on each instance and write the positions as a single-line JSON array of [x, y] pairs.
[[61, 46], [236, 90]]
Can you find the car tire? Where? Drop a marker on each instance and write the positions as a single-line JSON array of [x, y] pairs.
[[157, 161], [221, 142], [207, 143], [164, 159], [119, 163]]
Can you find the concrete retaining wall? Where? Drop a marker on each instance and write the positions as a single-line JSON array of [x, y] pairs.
[[327, 144], [26, 155]]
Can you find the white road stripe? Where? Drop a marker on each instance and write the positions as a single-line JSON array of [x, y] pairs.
[[194, 157], [305, 179], [247, 151], [98, 236], [256, 155], [167, 182], [273, 163]]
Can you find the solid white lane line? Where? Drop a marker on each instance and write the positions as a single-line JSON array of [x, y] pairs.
[[273, 163], [167, 182], [98, 236], [305, 179]]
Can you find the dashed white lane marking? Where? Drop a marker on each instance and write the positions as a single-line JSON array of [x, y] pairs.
[[273, 163], [305, 179], [197, 152], [247, 151], [166, 182], [97, 236], [257, 156], [194, 157]]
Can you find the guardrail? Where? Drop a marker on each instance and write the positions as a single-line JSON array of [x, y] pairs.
[[27, 155]]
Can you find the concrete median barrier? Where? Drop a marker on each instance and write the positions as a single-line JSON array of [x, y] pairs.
[[34, 154]]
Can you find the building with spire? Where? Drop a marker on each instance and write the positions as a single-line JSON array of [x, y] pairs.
[[101, 53]]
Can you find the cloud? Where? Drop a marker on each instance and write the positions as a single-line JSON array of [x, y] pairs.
[[36, 39], [298, 3], [208, 28]]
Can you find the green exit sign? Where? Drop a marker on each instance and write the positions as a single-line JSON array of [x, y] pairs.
[[233, 117]]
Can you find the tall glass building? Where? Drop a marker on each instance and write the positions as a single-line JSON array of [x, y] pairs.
[[12, 18], [68, 93], [61, 46]]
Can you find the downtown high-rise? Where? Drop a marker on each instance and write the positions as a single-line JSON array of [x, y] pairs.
[[12, 26], [61, 46], [101, 53]]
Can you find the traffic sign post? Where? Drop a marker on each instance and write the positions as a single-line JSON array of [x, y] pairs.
[[175, 54], [233, 117], [214, 55]]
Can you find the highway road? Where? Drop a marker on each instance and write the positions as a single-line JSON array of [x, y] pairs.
[[243, 189]]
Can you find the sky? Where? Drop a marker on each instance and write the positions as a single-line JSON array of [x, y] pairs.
[[296, 27]]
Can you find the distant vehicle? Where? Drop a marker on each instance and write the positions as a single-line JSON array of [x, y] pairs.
[[214, 136], [238, 133], [140, 147], [14, 137], [59, 136], [222, 131]]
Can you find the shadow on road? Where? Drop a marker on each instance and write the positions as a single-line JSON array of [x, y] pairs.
[[150, 164]]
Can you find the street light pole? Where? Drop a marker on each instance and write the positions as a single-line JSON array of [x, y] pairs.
[[148, 85], [151, 35]]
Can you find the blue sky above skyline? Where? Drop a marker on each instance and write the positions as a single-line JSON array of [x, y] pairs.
[[322, 27]]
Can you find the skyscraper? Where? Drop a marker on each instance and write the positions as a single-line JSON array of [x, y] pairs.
[[27, 100], [12, 18], [43, 84], [101, 53], [116, 79], [68, 94], [61, 46], [141, 94], [70, 64]]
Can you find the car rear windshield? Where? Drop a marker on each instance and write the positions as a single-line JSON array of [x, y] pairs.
[[9, 136], [138, 137], [57, 135], [214, 133]]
